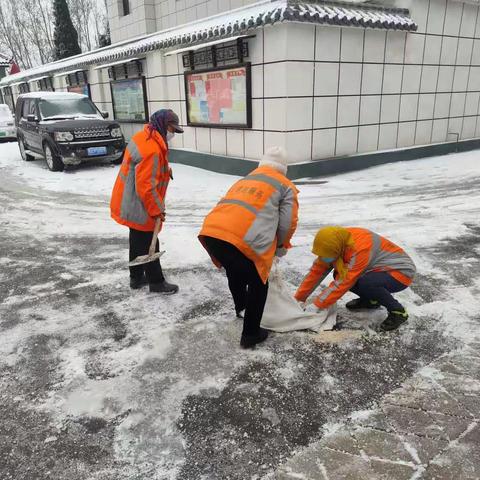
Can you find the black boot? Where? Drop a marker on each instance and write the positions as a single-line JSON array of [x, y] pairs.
[[362, 304], [136, 283], [394, 320], [164, 287], [249, 341]]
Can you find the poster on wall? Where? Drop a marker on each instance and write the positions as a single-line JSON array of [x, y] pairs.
[[219, 97], [81, 89], [128, 99]]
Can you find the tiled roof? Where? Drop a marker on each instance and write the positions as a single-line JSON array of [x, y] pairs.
[[233, 23], [346, 14]]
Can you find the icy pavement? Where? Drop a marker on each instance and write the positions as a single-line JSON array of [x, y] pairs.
[[101, 383]]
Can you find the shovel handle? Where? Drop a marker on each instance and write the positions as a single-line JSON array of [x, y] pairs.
[[156, 230]]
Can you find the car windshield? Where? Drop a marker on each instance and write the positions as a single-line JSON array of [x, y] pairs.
[[5, 113], [60, 108]]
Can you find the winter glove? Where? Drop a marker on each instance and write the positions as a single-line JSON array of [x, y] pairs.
[[281, 252]]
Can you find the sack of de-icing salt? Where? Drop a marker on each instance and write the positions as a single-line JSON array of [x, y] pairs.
[[282, 312]]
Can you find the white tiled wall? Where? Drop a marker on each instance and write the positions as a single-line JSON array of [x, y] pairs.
[[147, 16], [322, 91], [378, 90]]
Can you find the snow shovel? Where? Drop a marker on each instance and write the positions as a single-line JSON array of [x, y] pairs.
[[152, 254]]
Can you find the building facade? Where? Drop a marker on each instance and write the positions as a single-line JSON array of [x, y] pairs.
[[131, 18], [324, 79]]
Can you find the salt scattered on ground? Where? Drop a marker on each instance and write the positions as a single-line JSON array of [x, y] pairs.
[[174, 364]]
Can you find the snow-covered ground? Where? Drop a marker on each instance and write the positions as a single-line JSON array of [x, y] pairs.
[[157, 387]]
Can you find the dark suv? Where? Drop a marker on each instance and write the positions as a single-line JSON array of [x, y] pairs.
[[65, 129]]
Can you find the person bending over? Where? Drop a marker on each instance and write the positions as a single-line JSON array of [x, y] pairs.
[[250, 225], [364, 263]]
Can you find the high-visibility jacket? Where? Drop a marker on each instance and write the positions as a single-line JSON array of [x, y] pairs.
[[139, 192], [370, 253], [258, 214]]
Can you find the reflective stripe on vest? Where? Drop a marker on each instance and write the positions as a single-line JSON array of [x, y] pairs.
[[330, 289], [240, 203], [260, 177], [320, 280], [385, 260], [286, 216], [157, 199], [264, 228], [132, 208]]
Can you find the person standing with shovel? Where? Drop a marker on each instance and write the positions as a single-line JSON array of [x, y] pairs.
[[138, 198]]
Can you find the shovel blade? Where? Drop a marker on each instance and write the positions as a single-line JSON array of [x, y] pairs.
[[142, 259]]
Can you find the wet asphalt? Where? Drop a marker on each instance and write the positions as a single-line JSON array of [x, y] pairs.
[[264, 409]]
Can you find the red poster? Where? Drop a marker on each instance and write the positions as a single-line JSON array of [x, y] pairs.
[[218, 97]]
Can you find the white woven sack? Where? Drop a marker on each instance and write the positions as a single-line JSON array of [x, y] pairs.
[[283, 313]]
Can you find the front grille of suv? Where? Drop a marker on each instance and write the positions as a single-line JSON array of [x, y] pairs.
[[98, 132]]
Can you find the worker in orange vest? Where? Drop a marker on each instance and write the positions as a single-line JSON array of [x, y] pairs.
[[365, 263], [250, 225], [138, 197]]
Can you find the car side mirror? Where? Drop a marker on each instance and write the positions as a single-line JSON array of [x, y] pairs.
[[32, 118], [105, 114]]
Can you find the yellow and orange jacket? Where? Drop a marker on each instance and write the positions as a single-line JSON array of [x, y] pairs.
[[258, 214], [139, 192], [370, 253]]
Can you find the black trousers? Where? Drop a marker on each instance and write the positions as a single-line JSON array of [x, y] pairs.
[[139, 245], [379, 286], [246, 286]]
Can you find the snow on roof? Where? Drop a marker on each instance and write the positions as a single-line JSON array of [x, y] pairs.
[[231, 24], [36, 79], [52, 95]]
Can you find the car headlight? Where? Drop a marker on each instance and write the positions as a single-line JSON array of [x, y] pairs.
[[63, 136], [117, 132]]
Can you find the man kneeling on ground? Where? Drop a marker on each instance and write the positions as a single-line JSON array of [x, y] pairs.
[[365, 263], [250, 225]]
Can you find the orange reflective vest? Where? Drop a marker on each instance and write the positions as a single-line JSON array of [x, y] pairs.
[[258, 214], [370, 253], [139, 192]]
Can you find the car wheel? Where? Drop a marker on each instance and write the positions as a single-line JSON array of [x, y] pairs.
[[54, 163], [23, 152]]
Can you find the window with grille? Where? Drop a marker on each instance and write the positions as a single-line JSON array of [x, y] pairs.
[[46, 84], [24, 87]]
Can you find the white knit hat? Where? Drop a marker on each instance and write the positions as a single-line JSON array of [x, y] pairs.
[[275, 157]]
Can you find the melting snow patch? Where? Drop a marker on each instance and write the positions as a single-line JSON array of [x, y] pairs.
[[361, 415], [431, 373], [331, 428]]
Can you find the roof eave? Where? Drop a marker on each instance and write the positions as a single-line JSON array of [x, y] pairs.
[[248, 18]]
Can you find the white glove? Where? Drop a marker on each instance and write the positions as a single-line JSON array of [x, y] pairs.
[[281, 252]]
